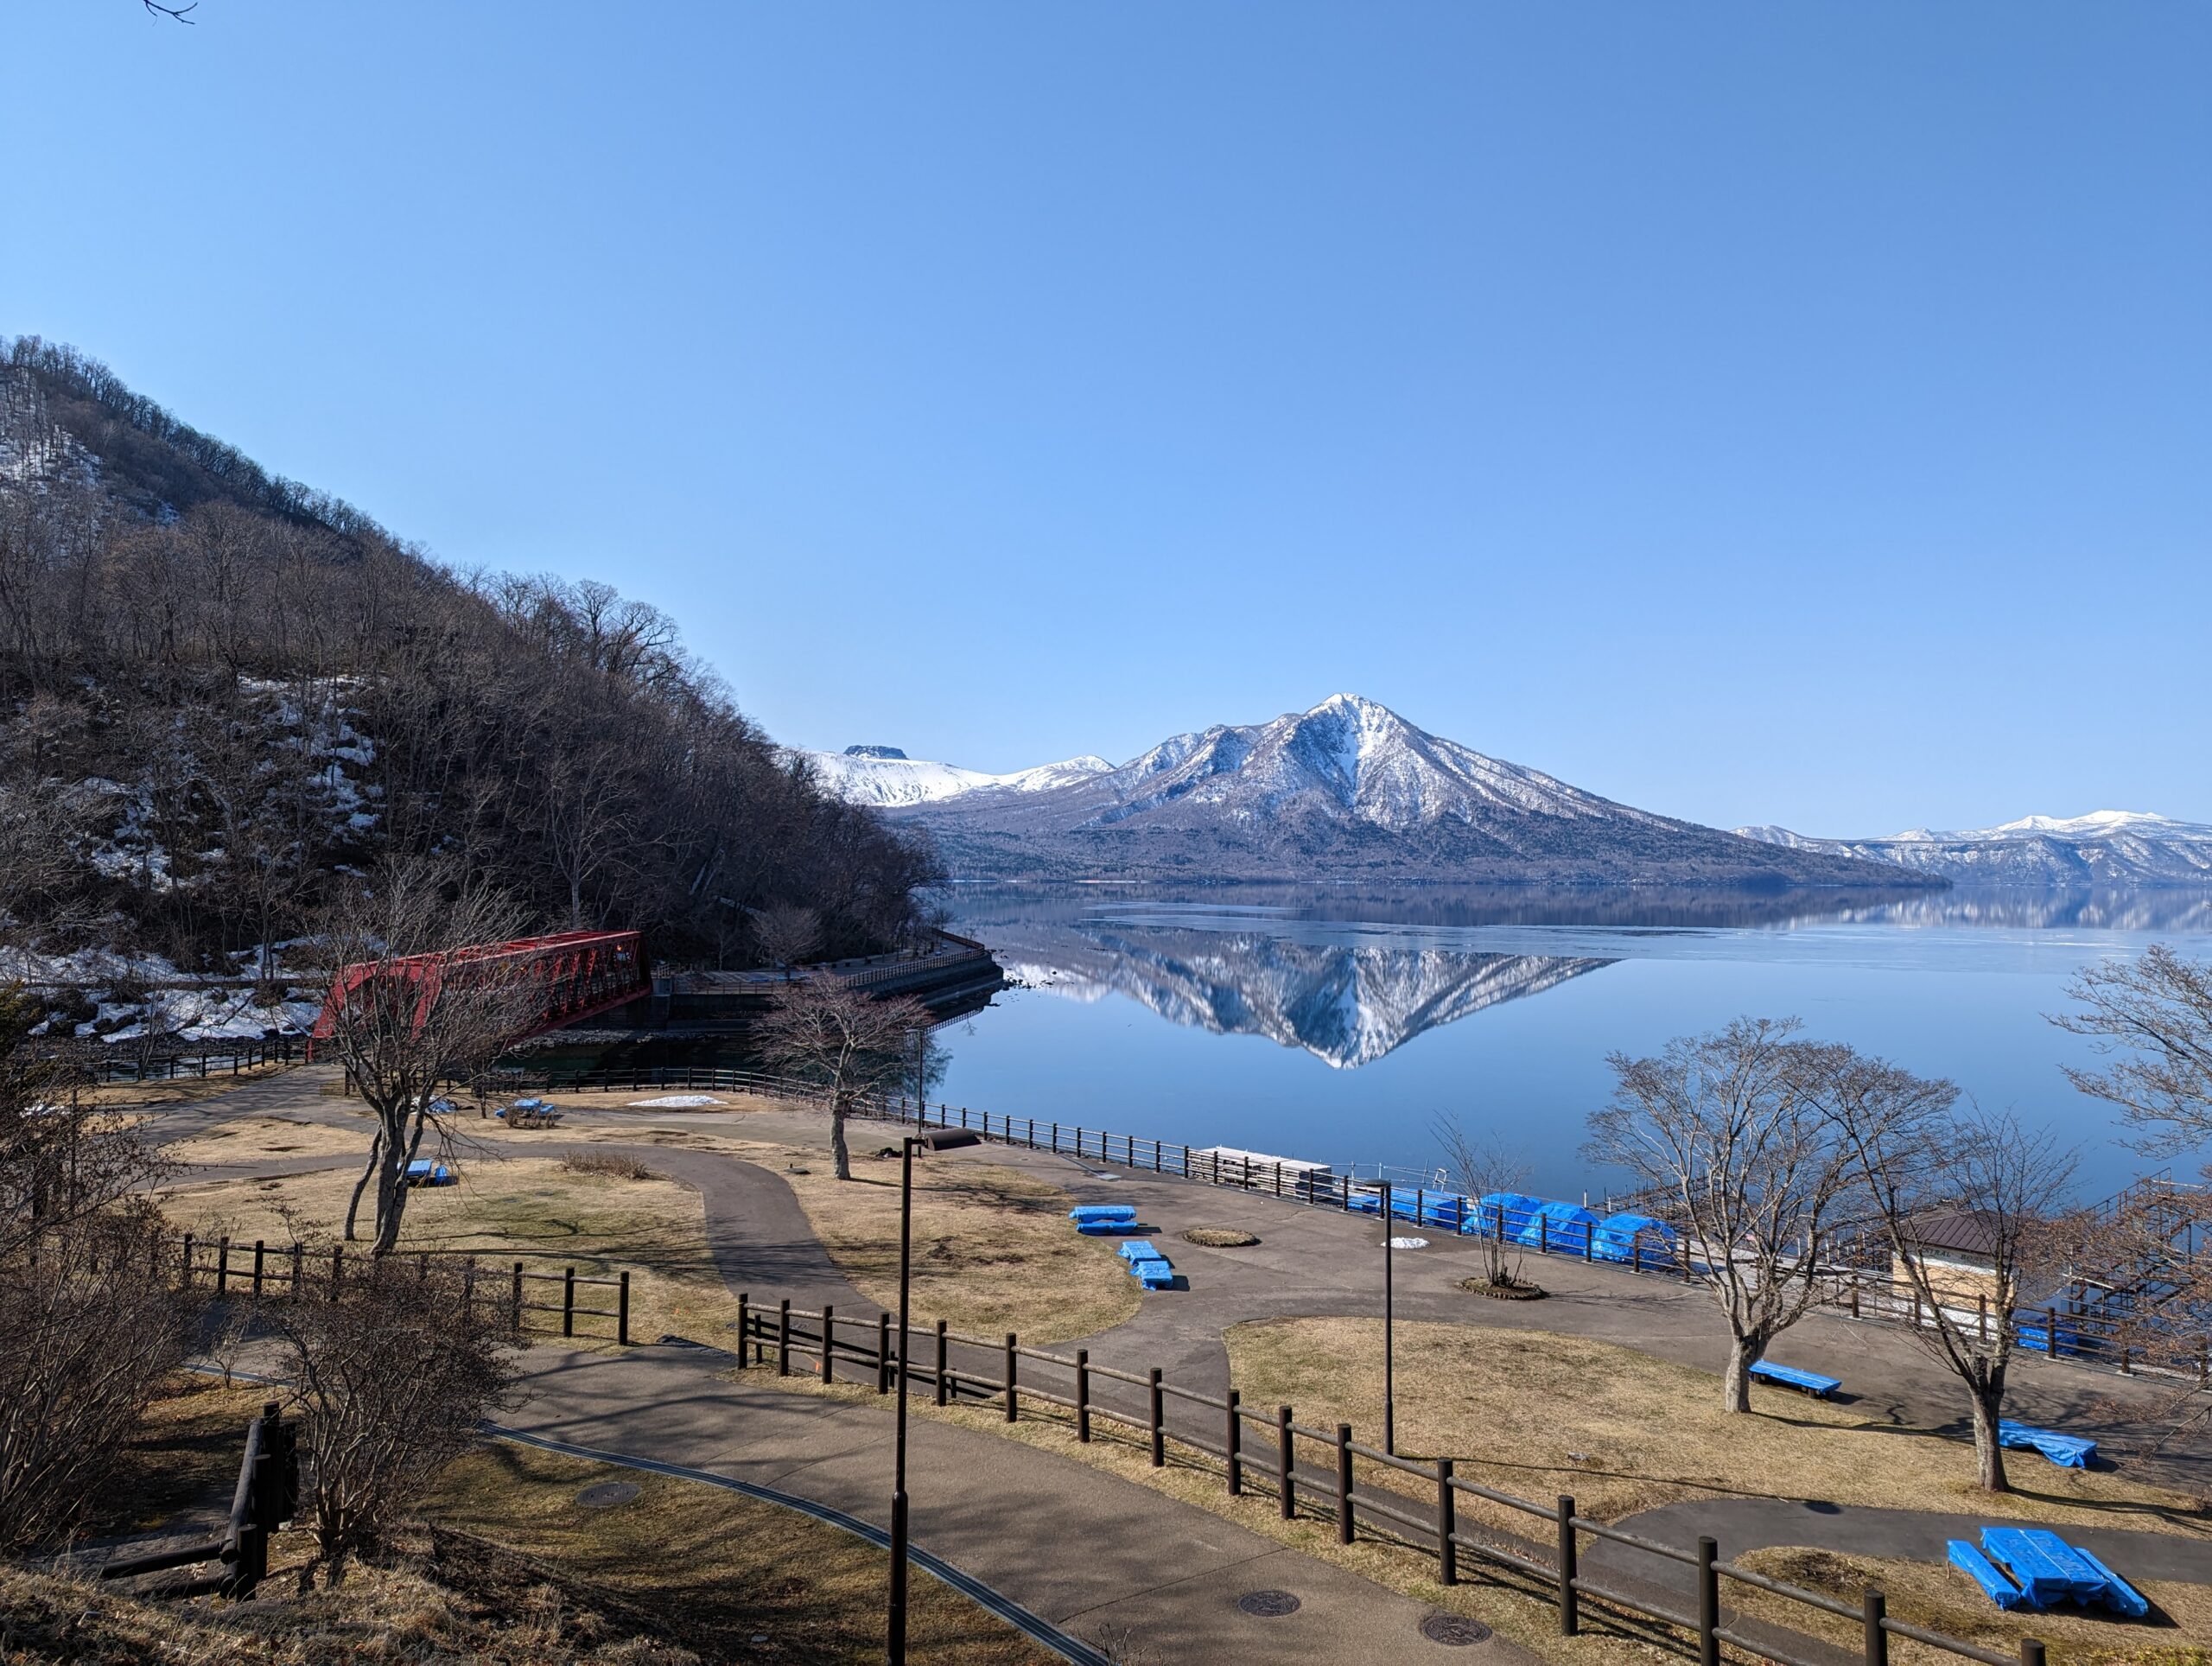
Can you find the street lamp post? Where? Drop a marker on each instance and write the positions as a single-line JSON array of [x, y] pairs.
[[895, 1645], [1389, 1316]]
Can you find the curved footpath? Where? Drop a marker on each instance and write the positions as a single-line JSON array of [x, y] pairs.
[[1125, 1560]]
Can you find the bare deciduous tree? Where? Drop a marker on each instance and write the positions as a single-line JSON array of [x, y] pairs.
[[1970, 1205], [1480, 1166], [2153, 1017], [394, 1378], [848, 1043], [401, 1027], [1730, 1128], [787, 933]]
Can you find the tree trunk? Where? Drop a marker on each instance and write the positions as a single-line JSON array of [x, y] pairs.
[[1988, 1456], [1736, 1377], [841, 1159], [354, 1208]]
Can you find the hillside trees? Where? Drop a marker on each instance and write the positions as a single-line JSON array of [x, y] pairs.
[[239, 686]]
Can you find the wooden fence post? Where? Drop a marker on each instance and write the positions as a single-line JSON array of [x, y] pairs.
[[1708, 1603], [1447, 1525], [1344, 1484], [1875, 1608], [222, 1265], [258, 1253], [1159, 1423], [784, 1337], [1083, 1395], [829, 1341], [299, 1267], [2030, 1652], [744, 1328], [883, 1353], [1012, 1412], [568, 1301], [943, 1379], [1285, 1457], [622, 1310], [517, 1294], [1570, 1601], [1233, 1446]]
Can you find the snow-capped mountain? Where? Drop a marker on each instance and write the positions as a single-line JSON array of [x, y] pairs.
[[2107, 847], [885, 775], [1346, 788]]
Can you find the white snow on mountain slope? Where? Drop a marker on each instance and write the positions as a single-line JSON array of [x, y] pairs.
[[870, 778], [1353, 758], [2107, 847]]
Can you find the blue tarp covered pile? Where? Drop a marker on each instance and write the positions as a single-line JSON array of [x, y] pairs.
[[1104, 1220], [1505, 1214], [1448, 1212], [1556, 1226], [2067, 1451], [1629, 1237], [423, 1171]]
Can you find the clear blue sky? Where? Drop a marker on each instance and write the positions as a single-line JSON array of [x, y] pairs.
[[1795, 413]]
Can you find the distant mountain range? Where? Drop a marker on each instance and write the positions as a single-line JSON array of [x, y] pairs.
[[1346, 790], [2105, 848]]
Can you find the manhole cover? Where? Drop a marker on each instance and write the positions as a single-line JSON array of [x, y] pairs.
[[1267, 1605], [1454, 1630], [607, 1493]]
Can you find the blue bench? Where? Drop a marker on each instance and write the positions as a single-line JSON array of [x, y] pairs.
[[423, 1171], [1154, 1273], [2001, 1590], [2118, 1595], [2067, 1451], [1139, 1250], [1102, 1211], [1789, 1377], [1112, 1228]]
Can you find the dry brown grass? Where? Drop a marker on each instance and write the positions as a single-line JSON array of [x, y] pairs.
[[527, 1209], [732, 1567], [606, 1165], [1623, 1431], [994, 1249], [185, 1091], [255, 1139], [1940, 1598], [184, 1453], [1222, 1237]]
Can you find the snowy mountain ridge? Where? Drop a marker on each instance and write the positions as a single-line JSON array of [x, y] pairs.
[[2106, 846], [1346, 787]]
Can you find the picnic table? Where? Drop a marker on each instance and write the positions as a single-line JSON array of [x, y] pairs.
[[530, 1113], [2067, 1451], [2048, 1569]]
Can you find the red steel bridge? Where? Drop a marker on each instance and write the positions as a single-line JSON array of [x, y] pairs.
[[571, 974]]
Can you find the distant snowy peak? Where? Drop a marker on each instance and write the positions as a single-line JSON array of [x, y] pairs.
[[1350, 757], [885, 776], [2107, 847]]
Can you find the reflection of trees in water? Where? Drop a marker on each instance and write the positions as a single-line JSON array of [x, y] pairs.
[[1346, 1004]]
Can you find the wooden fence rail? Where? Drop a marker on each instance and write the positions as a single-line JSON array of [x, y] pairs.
[[1343, 1488]]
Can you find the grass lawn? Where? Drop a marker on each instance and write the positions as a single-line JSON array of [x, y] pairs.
[[2178, 1632], [252, 1139], [993, 1250], [1536, 1414], [723, 1569], [528, 1209]]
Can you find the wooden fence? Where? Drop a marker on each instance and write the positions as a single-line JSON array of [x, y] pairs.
[[263, 1271], [117, 1062], [1271, 1452], [268, 1493]]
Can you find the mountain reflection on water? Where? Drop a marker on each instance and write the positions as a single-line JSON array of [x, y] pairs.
[[1350, 974]]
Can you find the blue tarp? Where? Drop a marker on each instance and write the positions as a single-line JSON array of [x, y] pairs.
[[1618, 1237], [2002, 1591], [2118, 1595], [1102, 1211], [2043, 1564], [1152, 1275], [423, 1171], [1556, 1226], [1112, 1227], [2067, 1451], [1505, 1214], [1139, 1250]]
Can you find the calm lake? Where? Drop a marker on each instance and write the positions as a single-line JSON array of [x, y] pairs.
[[1336, 1024]]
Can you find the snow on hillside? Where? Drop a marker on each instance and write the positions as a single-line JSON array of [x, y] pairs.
[[869, 775], [2107, 847]]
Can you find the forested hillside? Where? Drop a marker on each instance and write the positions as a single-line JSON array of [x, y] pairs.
[[219, 690]]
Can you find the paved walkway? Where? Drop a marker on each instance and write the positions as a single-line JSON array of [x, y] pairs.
[[1164, 1570]]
